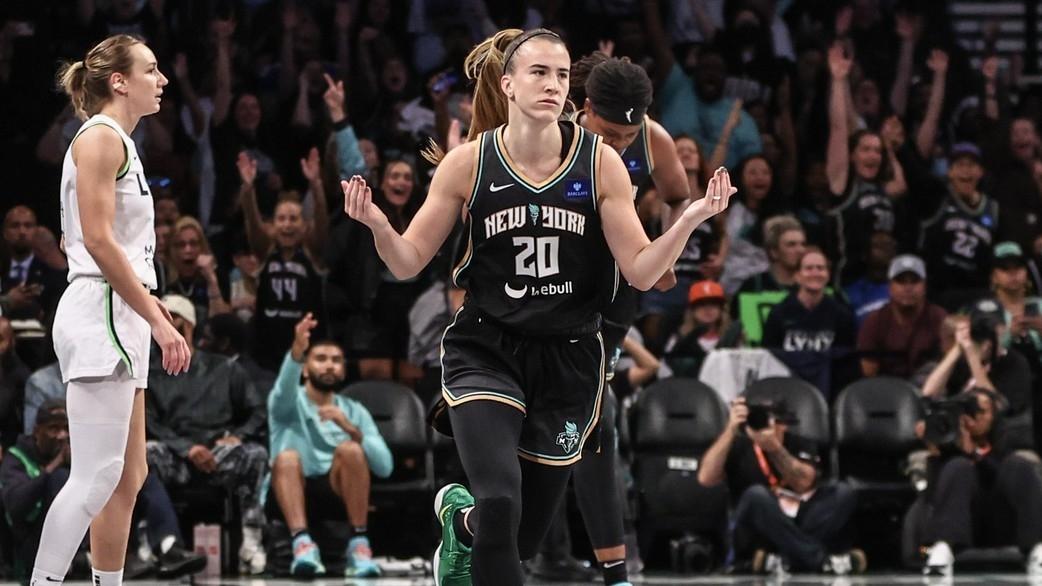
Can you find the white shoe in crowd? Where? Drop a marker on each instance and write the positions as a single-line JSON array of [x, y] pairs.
[[252, 557], [940, 561], [1035, 562]]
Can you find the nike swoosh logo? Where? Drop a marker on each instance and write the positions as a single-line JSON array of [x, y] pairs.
[[515, 293], [494, 188], [613, 564]]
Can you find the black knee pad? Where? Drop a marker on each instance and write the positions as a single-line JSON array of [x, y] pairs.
[[498, 520]]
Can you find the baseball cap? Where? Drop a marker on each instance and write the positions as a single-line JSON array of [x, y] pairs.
[[705, 291], [52, 410], [964, 149], [906, 263], [180, 305], [1007, 255], [987, 312]]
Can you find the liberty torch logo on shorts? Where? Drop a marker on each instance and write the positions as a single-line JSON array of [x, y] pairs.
[[569, 438]]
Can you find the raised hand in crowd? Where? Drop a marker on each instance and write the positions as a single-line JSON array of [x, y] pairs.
[[334, 99], [302, 336], [247, 166]]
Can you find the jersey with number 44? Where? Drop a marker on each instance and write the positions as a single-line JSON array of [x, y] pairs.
[[536, 255]]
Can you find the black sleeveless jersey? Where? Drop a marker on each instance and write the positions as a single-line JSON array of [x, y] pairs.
[[956, 242], [286, 290], [865, 210], [638, 159], [536, 255]]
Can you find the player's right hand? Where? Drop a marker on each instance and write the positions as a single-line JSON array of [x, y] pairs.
[[358, 203], [177, 355]]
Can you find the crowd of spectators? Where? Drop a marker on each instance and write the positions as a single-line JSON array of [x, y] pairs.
[[890, 183]]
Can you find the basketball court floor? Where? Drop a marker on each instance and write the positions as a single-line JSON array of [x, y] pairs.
[[651, 580]]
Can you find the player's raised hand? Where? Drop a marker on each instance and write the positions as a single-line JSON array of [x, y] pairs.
[[358, 203], [718, 195]]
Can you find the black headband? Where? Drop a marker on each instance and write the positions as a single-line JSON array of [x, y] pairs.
[[524, 38], [630, 116]]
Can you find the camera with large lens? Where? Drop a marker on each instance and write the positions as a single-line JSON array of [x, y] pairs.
[[942, 420]]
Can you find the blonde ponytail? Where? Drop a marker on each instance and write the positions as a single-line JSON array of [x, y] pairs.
[[484, 65], [71, 79], [87, 82]]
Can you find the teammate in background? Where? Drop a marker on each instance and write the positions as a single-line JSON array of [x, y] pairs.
[[523, 360], [103, 321], [614, 96]]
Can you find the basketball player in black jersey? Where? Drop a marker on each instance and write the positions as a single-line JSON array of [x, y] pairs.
[[613, 96], [523, 361]]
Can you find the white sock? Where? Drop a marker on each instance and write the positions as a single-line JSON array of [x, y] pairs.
[[167, 543], [45, 578], [107, 578]]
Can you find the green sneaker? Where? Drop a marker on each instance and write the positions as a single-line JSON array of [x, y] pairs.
[[452, 558]]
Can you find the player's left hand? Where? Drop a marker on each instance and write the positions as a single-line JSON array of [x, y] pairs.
[[718, 195]]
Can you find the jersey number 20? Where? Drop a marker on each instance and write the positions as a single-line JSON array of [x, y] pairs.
[[544, 249]]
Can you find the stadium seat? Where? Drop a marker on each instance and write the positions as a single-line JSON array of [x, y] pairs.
[[396, 501], [401, 419], [875, 431], [676, 421]]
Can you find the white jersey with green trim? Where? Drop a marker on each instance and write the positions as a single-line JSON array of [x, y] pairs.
[[134, 223]]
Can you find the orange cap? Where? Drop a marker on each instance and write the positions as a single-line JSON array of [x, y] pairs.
[[705, 290]]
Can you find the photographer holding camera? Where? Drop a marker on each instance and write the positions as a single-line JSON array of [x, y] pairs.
[[977, 360], [782, 514], [977, 494]]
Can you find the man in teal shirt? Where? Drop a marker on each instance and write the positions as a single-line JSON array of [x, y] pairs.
[[698, 108], [325, 447]]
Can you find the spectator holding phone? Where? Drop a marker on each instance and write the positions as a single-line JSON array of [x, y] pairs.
[[1022, 313], [29, 289], [783, 513]]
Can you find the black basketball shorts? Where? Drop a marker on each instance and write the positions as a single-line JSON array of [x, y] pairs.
[[556, 381]]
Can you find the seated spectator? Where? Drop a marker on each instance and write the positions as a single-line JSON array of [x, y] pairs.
[[706, 326], [325, 448], [900, 337], [977, 360], [290, 281], [811, 332], [979, 494], [37, 467], [872, 291], [785, 243], [191, 270], [29, 288], [13, 374], [428, 318], [228, 336], [1021, 313], [783, 512], [956, 238], [41, 386], [756, 202], [208, 423]]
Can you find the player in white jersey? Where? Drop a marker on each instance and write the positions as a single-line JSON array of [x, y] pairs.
[[104, 319]]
